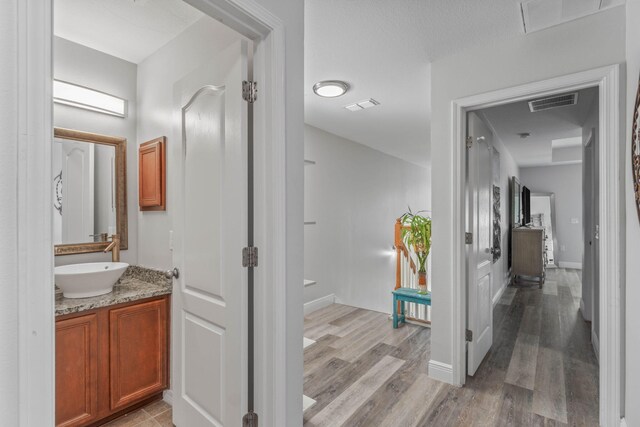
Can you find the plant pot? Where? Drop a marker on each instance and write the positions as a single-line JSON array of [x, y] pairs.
[[422, 282]]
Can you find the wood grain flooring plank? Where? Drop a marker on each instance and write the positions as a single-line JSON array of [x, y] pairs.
[[515, 407], [549, 396], [408, 410], [325, 389], [319, 353], [522, 368], [342, 407]]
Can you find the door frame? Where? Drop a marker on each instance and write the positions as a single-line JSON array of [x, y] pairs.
[[36, 338], [612, 227]]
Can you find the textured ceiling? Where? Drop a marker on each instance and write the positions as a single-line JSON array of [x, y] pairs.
[[127, 29], [383, 48], [561, 125]]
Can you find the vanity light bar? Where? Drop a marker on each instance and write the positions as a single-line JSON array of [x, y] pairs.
[[88, 99]]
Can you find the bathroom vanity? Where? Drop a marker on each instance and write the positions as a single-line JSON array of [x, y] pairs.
[[112, 350]]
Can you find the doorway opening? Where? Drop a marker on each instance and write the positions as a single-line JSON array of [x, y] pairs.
[[606, 81], [164, 68], [532, 218]]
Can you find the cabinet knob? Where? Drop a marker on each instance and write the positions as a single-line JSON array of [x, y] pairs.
[[170, 274]]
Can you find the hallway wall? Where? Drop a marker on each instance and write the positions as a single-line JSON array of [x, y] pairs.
[[355, 194], [566, 182]]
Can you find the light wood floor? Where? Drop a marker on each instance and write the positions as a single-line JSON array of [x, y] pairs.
[[541, 369]]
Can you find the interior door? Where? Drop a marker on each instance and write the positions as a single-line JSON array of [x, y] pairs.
[[209, 311], [77, 191], [479, 252]]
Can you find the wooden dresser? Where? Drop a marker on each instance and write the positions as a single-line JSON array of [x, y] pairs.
[[527, 255]]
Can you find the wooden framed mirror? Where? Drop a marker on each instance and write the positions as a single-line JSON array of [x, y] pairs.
[[90, 191]]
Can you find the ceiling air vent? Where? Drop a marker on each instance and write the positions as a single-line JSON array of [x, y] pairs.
[[553, 102]]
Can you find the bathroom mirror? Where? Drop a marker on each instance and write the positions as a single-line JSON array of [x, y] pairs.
[[89, 191]]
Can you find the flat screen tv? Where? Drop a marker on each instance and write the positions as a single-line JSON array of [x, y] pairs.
[[526, 206]]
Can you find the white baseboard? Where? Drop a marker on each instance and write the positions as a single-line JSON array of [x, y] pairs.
[[319, 303], [167, 396], [441, 371], [595, 342], [567, 264], [582, 310], [497, 297]]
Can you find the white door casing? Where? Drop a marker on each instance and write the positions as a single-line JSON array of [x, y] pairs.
[[210, 229], [479, 252]]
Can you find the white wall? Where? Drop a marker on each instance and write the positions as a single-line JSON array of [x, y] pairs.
[[632, 290], [355, 194], [568, 48], [81, 65], [8, 214], [156, 77], [566, 182]]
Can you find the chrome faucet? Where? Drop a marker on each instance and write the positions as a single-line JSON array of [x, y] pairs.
[[114, 247]]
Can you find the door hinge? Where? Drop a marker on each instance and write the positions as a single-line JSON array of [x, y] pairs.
[[468, 238], [250, 256], [469, 141], [250, 419], [468, 335], [249, 91]]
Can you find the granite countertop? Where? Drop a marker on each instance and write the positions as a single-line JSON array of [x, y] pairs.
[[136, 283]]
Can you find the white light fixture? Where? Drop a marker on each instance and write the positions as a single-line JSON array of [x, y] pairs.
[[88, 99], [330, 88]]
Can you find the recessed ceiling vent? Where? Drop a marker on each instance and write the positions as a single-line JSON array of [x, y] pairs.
[[557, 101]]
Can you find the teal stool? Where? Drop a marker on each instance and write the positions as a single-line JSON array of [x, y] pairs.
[[403, 295]]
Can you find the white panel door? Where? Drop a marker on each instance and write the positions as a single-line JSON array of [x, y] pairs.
[[210, 230], [77, 191], [479, 253]]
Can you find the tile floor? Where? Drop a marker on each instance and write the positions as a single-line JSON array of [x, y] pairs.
[[155, 414]]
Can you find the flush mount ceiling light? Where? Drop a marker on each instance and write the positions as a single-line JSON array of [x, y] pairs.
[[88, 99], [330, 88], [524, 135]]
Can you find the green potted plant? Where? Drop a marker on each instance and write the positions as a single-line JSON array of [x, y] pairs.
[[416, 234]]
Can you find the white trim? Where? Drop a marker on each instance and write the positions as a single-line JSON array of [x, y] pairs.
[[36, 346], [611, 218], [496, 298], [319, 303], [568, 264], [167, 396], [595, 342], [582, 310], [440, 371], [35, 276]]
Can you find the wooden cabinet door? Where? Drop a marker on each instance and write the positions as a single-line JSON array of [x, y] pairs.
[[137, 352], [77, 370], [152, 175]]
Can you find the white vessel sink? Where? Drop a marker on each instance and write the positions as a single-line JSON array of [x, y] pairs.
[[90, 279]]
